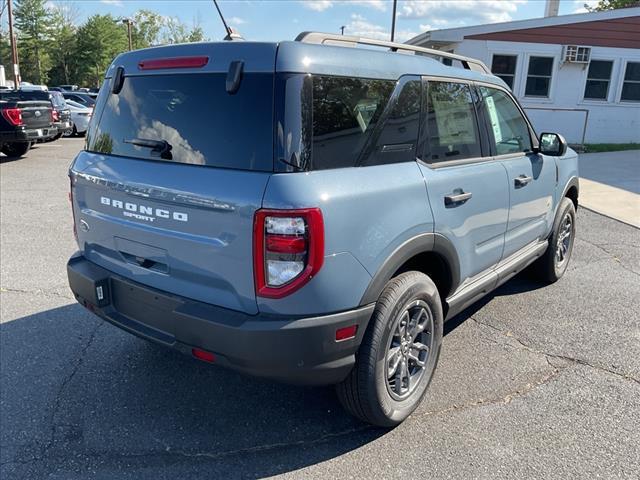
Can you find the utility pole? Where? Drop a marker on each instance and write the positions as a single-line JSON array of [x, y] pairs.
[[342, 29], [129, 23], [14, 47], [393, 20]]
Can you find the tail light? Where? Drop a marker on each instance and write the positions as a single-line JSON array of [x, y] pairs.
[[55, 116], [288, 249], [73, 213], [13, 116], [174, 62]]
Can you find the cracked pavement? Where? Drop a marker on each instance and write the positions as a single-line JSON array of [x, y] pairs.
[[533, 382]]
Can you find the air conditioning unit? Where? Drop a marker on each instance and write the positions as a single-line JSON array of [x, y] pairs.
[[576, 54]]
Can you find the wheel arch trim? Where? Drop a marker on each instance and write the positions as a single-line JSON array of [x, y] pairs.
[[423, 243]]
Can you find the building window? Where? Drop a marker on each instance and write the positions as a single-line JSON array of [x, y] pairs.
[[504, 66], [598, 79], [539, 77], [631, 84]]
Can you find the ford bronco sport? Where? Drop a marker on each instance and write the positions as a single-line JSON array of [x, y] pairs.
[[312, 213]]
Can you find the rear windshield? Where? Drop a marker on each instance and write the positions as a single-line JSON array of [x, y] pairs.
[[24, 95], [190, 119]]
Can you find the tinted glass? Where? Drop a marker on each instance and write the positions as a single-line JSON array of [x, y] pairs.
[[24, 95], [504, 64], [597, 86], [58, 100], [631, 85], [540, 66], [539, 77], [451, 123], [632, 71], [508, 128], [397, 139], [194, 114], [345, 112]]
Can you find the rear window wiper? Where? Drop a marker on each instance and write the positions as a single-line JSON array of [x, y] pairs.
[[158, 147]]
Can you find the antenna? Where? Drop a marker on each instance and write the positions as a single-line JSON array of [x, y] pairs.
[[226, 27]]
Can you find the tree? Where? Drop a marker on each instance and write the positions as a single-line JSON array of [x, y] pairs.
[[100, 40], [603, 5], [63, 48], [33, 22], [147, 26]]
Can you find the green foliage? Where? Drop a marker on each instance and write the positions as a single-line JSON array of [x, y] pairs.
[[603, 5], [100, 40], [33, 22], [53, 49]]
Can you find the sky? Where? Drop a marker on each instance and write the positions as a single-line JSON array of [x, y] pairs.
[[273, 20]]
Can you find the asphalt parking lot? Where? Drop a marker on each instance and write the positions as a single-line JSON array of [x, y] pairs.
[[534, 382]]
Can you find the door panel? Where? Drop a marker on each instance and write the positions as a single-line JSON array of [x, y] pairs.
[[476, 226], [468, 194], [531, 177], [531, 184]]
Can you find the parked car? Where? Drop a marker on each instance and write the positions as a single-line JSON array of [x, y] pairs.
[[82, 98], [23, 120], [61, 114], [80, 117], [68, 88], [312, 213]]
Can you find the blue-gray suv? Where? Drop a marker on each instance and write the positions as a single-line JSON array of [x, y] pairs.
[[312, 212]]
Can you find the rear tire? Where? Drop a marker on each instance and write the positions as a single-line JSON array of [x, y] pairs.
[[16, 149], [551, 266], [398, 354]]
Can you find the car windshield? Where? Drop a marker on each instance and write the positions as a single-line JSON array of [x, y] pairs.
[[73, 104], [57, 99]]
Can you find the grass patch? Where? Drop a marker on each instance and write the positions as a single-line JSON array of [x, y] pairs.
[[610, 147]]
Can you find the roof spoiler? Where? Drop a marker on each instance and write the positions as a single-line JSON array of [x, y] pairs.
[[348, 40]]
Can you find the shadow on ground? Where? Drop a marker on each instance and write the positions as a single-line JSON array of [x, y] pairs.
[[80, 394]]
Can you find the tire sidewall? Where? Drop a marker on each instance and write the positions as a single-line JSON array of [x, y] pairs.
[[566, 207], [398, 410]]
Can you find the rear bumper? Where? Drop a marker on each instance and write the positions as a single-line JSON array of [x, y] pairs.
[[292, 350], [27, 135]]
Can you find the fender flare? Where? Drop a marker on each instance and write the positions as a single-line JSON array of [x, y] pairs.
[[573, 182], [423, 243]]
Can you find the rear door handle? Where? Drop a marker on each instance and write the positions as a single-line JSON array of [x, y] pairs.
[[454, 199], [522, 181]]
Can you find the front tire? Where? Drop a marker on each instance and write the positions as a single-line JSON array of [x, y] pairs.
[[399, 353], [555, 260]]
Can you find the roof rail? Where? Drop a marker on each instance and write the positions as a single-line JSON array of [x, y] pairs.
[[348, 40]]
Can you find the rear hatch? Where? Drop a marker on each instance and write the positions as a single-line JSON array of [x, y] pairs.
[[35, 107], [175, 166]]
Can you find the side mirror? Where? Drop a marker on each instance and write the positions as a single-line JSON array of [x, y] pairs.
[[552, 144]]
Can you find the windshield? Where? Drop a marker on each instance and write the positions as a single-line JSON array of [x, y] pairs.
[[189, 119], [58, 100]]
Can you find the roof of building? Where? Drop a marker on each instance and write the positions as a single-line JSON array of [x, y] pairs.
[[622, 22]]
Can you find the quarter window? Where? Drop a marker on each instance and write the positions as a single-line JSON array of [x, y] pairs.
[[345, 112], [539, 77], [452, 127], [598, 79], [397, 139], [509, 130], [504, 66], [631, 85]]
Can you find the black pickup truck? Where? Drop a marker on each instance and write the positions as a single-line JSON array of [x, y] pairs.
[[23, 120]]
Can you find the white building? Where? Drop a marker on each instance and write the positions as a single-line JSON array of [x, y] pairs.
[[578, 75]]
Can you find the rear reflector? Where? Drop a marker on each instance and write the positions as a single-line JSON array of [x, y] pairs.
[[176, 62], [345, 333], [203, 355]]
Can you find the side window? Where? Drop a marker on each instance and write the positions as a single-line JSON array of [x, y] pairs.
[[504, 66], [539, 77], [509, 130], [345, 112], [452, 128], [396, 142], [631, 84], [598, 79]]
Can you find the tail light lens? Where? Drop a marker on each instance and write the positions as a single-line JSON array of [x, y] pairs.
[[13, 116], [288, 250]]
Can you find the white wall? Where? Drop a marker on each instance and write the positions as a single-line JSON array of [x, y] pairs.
[[565, 110]]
